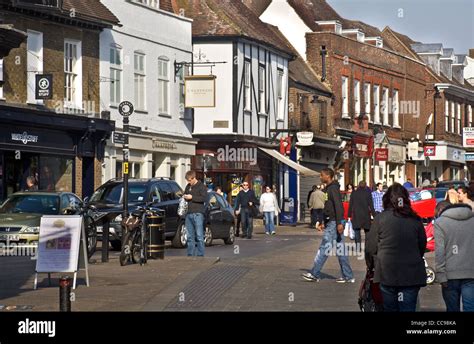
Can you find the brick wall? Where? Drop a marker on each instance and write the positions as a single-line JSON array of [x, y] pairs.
[[79, 177]]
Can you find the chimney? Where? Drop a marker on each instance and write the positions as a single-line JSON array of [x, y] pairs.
[[471, 53], [430, 54], [458, 68], [330, 26], [446, 61]]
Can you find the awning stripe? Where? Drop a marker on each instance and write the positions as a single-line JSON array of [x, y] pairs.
[[300, 168]]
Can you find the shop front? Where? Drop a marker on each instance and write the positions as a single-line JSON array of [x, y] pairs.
[[59, 151]]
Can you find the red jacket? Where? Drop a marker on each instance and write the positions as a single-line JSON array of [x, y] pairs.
[[430, 242]]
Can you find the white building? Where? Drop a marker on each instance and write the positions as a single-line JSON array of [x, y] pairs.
[[137, 65]]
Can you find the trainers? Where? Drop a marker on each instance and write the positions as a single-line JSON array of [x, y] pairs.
[[317, 225], [273, 233], [351, 280], [344, 280], [309, 277], [267, 233]]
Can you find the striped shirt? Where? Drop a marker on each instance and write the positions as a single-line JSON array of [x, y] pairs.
[[378, 204]]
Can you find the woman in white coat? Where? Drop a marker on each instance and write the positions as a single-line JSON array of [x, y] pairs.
[[269, 208]]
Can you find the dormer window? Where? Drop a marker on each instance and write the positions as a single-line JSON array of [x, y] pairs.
[[330, 26], [150, 3], [354, 34], [45, 3]]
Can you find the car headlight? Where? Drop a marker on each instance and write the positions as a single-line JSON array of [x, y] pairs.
[[118, 218], [30, 230]]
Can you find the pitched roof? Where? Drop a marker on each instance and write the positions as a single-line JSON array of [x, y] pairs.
[[88, 10], [311, 11], [299, 71], [228, 18]]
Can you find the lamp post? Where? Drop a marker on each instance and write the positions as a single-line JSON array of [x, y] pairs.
[[125, 109]]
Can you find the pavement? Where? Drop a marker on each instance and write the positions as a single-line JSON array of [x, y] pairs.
[[260, 274]]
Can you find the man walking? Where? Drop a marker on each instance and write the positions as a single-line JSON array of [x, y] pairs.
[[454, 237], [316, 204], [333, 229], [361, 207], [377, 196], [247, 202], [196, 195]]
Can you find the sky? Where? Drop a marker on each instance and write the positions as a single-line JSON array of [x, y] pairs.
[[450, 22]]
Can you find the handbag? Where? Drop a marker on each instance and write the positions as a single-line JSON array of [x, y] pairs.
[[182, 207]]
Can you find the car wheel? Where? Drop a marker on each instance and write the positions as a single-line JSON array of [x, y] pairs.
[[91, 236], [180, 239], [430, 275], [208, 236], [116, 244], [230, 239]]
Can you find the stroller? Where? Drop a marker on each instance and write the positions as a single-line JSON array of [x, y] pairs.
[[370, 295], [430, 247]]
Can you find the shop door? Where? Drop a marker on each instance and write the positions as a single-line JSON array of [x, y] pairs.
[[17, 167], [87, 177]]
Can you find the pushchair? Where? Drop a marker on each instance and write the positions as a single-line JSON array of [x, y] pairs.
[[430, 247], [370, 295]]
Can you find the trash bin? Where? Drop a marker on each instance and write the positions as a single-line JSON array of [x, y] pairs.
[[156, 228], [288, 215]]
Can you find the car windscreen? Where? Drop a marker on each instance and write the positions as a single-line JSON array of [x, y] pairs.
[[38, 204], [114, 193], [441, 193]]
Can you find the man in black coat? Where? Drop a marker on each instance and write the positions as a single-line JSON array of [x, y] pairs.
[[361, 207], [247, 202]]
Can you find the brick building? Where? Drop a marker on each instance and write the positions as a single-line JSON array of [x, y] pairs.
[[60, 140]]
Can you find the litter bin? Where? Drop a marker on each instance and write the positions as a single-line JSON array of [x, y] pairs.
[[156, 228], [288, 215]]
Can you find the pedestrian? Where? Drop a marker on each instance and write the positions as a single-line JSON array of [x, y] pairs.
[[246, 201], [395, 246], [377, 196], [454, 256], [316, 204], [408, 184], [435, 182], [333, 229], [463, 195], [269, 207], [238, 218], [452, 195], [309, 194], [31, 184], [361, 208], [196, 195], [219, 191], [349, 190]]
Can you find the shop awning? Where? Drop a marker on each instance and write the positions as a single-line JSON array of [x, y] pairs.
[[301, 169]]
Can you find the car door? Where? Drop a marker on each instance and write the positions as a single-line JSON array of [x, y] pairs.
[[166, 203], [215, 218], [227, 214]]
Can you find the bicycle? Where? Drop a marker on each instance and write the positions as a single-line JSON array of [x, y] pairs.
[[136, 238]]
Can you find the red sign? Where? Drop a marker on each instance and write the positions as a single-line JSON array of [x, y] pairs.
[[285, 145], [430, 150], [363, 146], [381, 154]]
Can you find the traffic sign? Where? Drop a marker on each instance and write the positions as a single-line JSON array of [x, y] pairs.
[[430, 150]]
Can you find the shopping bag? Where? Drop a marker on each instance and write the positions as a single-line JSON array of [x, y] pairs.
[[182, 207], [351, 231], [346, 229]]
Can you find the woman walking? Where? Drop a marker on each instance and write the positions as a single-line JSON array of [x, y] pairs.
[[269, 207], [395, 246]]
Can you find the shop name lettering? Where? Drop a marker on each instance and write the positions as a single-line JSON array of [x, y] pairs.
[[25, 138], [237, 154]]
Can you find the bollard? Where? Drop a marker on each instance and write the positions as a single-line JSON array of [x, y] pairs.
[[156, 245], [65, 294], [105, 241]]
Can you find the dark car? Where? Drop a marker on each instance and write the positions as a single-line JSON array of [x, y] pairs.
[[219, 220], [20, 214], [163, 192], [455, 183]]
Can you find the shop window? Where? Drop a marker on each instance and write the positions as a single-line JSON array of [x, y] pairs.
[[56, 174]]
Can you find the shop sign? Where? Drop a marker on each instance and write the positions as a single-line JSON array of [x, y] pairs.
[[24, 137], [305, 138], [413, 149], [164, 145], [363, 146], [200, 91], [469, 156], [381, 154], [430, 150], [396, 154], [44, 86], [468, 137]]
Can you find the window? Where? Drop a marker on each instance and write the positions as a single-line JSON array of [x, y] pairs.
[[469, 111], [446, 116], [367, 99], [115, 76], [163, 85], [151, 3], [280, 105], [345, 97], [356, 98], [1, 79], [178, 192], [459, 119], [247, 105], [384, 106], [72, 74], [395, 109], [261, 89], [376, 104], [139, 80], [453, 118], [323, 124], [182, 74], [34, 63]]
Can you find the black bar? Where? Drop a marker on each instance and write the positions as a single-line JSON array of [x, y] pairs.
[[64, 294], [105, 241]]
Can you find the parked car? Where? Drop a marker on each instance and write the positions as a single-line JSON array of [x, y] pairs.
[[423, 202], [163, 192], [20, 214], [219, 220], [455, 183]]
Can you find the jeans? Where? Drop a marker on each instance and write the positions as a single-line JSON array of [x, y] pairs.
[[399, 299], [247, 222], [269, 224], [316, 216], [330, 238], [358, 237], [195, 229], [459, 289]]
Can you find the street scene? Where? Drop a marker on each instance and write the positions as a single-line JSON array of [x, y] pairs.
[[237, 156]]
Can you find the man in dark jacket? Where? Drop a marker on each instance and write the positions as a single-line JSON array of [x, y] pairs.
[[361, 206], [333, 229], [196, 195], [247, 203]]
